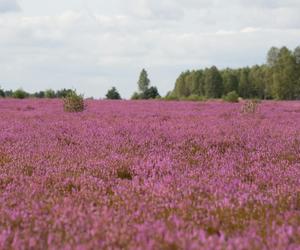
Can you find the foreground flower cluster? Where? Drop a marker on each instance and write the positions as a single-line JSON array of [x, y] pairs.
[[149, 175]]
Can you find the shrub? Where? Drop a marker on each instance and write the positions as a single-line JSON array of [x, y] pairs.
[[20, 94], [74, 103], [50, 93], [250, 107], [171, 97], [135, 96], [113, 94], [124, 173], [231, 97], [150, 93], [2, 93], [194, 98]]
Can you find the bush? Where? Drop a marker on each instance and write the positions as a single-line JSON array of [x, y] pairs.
[[74, 103], [124, 173], [171, 97], [250, 107], [136, 96], [194, 98], [2, 93], [50, 93], [20, 94], [231, 97], [150, 93], [113, 94]]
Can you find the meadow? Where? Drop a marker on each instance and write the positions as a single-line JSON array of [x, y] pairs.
[[149, 175]]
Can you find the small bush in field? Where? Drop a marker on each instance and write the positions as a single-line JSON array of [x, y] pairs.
[[231, 97], [20, 94], [124, 173], [73, 103], [250, 107]]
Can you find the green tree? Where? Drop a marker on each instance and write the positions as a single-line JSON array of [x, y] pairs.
[[285, 76], [143, 81], [63, 93], [2, 93], [20, 94], [49, 93], [213, 83], [40, 94], [150, 93], [297, 54], [230, 81], [181, 86], [272, 56], [113, 94]]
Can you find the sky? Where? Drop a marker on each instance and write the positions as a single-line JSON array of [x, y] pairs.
[[92, 45]]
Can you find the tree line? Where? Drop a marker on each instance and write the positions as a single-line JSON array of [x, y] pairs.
[[278, 78], [145, 91]]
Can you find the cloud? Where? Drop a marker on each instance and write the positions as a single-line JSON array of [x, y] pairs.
[[9, 6]]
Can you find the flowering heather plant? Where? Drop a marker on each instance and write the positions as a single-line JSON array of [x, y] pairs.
[[149, 175]]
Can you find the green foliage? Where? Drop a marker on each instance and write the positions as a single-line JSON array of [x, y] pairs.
[[124, 173], [63, 93], [2, 93], [50, 93], [40, 94], [231, 97], [213, 83], [113, 94], [151, 93], [74, 103], [170, 97], [144, 81], [144, 91], [20, 94], [193, 98], [135, 96], [279, 79]]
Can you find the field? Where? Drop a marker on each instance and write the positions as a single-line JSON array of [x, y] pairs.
[[149, 175]]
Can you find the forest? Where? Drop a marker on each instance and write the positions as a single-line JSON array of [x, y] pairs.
[[278, 78]]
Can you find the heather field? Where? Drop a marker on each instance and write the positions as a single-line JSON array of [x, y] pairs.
[[149, 175]]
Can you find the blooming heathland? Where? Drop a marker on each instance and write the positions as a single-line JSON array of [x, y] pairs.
[[149, 175]]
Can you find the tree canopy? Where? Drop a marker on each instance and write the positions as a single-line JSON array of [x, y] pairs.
[[279, 79], [113, 94]]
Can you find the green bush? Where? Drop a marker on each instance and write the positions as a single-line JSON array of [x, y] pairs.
[[20, 94], [231, 97], [113, 94], [73, 103], [136, 96], [250, 107], [170, 97], [193, 98], [124, 173], [2, 93]]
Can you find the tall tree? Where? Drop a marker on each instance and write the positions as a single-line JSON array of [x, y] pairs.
[[143, 81], [230, 81], [213, 83], [297, 55], [181, 86], [272, 56], [285, 76]]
